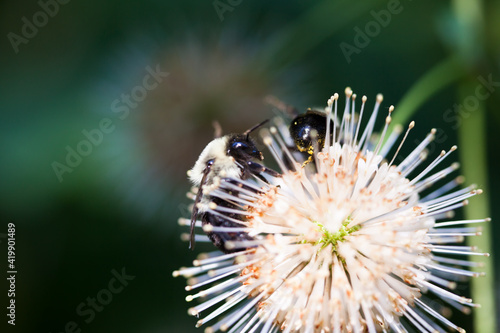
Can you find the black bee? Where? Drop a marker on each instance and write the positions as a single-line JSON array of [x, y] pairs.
[[309, 128], [233, 156], [306, 130]]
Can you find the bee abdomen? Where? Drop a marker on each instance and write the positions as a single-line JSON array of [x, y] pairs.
[[219, 238]]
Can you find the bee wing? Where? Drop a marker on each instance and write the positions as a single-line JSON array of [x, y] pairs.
[[194, 214], [289, 111]]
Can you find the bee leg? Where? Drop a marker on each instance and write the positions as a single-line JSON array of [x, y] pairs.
[[219, 238], [256, 168], [239, 184], [306, 162], [258, 175], [194, 214]]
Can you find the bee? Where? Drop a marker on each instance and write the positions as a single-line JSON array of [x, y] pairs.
[[230, 157], [308, 129]]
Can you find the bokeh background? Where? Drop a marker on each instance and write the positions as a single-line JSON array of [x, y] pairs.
[[117, 207]]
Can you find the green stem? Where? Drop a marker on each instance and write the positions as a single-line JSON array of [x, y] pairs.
[[472, 144]]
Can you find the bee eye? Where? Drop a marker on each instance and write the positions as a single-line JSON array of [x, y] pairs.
[[243, 150], [238, 145]]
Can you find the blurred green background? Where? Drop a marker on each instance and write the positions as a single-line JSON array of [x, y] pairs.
[[118, 206]]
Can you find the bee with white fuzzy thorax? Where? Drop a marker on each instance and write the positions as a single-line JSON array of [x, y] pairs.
[[228, 158]]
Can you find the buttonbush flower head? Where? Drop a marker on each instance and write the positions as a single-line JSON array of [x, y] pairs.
[[352, 237]]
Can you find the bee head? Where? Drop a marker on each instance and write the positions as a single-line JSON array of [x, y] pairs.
[[242, 148]]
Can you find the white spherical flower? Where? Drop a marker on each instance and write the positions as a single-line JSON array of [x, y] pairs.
[[342, 241]]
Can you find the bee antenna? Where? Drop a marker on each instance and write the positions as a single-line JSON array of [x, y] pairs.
[[247, 132]]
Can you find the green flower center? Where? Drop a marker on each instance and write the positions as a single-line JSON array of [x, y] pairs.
[[335, 237]]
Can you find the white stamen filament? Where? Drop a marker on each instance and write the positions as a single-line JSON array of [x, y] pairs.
[[341, 243]]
